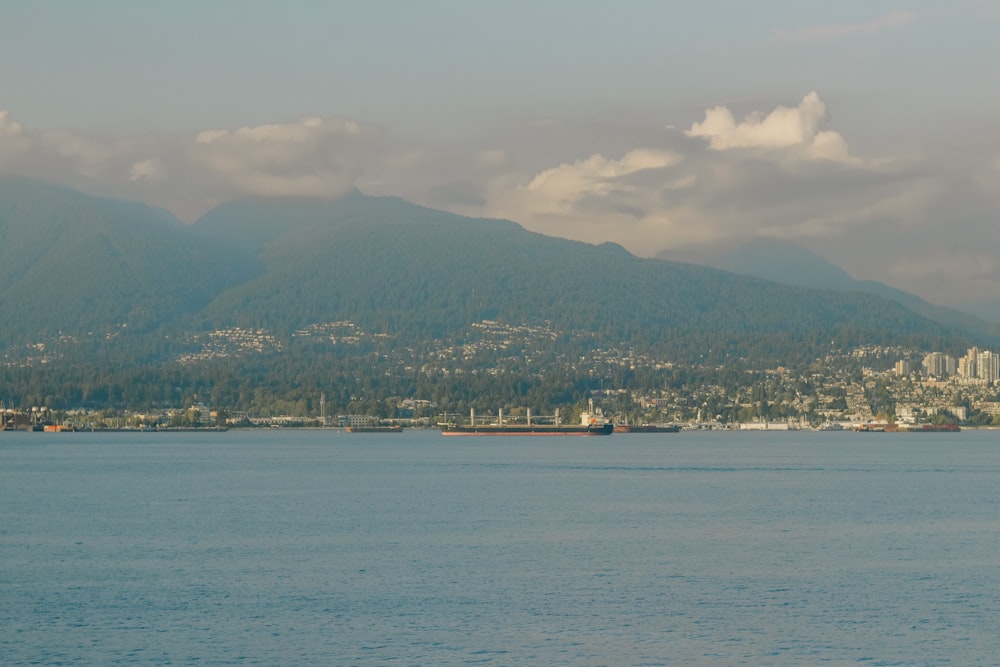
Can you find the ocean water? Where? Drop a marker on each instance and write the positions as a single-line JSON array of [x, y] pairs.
[[322, 547]]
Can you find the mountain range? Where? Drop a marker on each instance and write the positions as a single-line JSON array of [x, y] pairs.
[[135, 289], [74, 263], [791, 264]]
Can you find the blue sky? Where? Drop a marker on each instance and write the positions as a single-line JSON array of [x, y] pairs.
[[864, 131]]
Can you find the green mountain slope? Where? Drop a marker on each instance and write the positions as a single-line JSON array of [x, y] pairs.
[[393, 300], [74, 263], [418, 273], [791, 264]]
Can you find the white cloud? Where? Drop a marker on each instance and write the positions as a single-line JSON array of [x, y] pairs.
[[779, 173], [559, 188], [782, 127], [314, 157], [44, 153], [822, 33], [599, 169], [595, 199], [189, 174], [792, 128]]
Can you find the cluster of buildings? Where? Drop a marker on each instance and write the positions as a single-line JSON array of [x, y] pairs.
[[229, 343], [981, 365]]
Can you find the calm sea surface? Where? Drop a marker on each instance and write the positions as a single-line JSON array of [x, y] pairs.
[[323, 547]]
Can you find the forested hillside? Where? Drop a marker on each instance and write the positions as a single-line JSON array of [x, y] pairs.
[[417, 273], [77, 264], [115, 302], [790, 264]]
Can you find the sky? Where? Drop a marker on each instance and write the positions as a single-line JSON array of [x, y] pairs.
[[863, 131]]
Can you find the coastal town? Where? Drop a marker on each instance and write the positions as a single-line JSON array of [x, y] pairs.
[[863, 389]]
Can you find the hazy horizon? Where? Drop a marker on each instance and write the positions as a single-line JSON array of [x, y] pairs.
[[863, 132]]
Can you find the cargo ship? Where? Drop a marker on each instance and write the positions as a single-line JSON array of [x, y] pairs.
[[591, 423], [924, 428], [396, 428], [647, 428], [908, 428]]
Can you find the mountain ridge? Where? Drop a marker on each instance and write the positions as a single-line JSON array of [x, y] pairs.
[[791, 264], [71, 261], [341, 294], [420, 252]]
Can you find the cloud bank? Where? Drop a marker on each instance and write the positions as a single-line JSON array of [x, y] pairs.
[[321, 157], [779, 173], [311, 157], [719, 178]]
